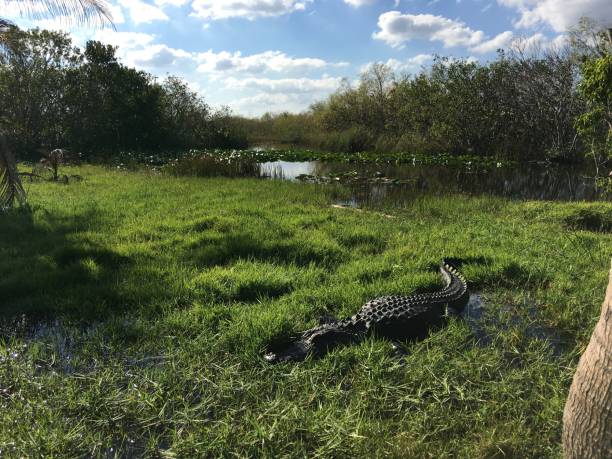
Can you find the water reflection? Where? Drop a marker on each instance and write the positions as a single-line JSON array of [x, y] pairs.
[[377, 184], [487, 323], [286, 170], [374, 183]]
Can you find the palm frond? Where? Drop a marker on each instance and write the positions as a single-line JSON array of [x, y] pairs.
[[5, 24], [89, 12], [11, 189]]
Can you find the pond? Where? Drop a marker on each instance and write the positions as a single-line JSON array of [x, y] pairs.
[[373, 184], [394, 179]]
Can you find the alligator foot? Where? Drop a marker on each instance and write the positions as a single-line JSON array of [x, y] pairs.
[[327, 319]]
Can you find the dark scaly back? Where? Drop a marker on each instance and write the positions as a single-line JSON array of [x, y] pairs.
[[382, 315]]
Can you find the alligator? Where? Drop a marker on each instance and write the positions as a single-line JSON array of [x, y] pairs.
[[393, 317]]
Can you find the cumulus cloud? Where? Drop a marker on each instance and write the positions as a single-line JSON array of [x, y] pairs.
[[245, 80], [358, 3], [289, 94], [559, 14], [116, 13], [163, 3], [285, 85], [411, 65], [500, 41], [259, 104], [124, 40], [139, 50], [158, 56], [539, 42], [396, 29], [248, 9], [141, 12], [275, 61]]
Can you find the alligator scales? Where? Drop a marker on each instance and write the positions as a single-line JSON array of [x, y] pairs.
[[394, 317]]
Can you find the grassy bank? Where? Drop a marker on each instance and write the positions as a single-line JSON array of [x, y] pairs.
[[158, 295]]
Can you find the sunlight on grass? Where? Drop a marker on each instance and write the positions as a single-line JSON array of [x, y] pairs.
[[149, 301]]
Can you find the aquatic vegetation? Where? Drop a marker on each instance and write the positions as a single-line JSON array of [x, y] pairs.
[[207, 165], [353, 177], [261, 155]]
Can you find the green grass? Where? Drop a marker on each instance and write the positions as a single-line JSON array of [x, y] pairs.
[[157, 297]]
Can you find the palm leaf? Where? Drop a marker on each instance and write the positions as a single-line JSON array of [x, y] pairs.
[[11, 189], [90, 12]]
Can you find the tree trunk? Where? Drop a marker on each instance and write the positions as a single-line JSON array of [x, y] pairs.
[[587, 418], [11, 189]]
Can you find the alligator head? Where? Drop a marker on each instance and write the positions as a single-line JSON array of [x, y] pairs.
[[294, 352], [316, 341]]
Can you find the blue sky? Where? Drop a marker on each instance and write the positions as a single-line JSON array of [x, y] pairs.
[[275, 55]]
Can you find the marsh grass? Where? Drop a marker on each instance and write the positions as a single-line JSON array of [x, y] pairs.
[[137, 307]]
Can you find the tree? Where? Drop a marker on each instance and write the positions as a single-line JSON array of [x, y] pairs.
[[110, 106], [186, 115], [33, 79], [595, 125], [81, 11], [587, 418], [376, 83], [590, 40]]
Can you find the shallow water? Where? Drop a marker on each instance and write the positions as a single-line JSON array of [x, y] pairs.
[[373, 184], [286, 170], [486, 323]]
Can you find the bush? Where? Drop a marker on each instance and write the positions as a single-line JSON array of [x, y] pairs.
[[350, 140]]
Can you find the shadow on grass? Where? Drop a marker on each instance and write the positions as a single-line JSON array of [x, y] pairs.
[[596, 220], [227, 248], [510, 275], [490, 274], [47, 268]]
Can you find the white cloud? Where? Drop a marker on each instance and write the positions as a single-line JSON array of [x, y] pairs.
[[141, 12], [259, 104], [325, 84], [116, 14], [410, 65], [138, 50], [124, 40], [418, 60], [158, 56], [397, 28], [248, 9], [275, 61], [500, 41], [559, 14], [539, 42], [163, 3], [358, 3], [248, 95]]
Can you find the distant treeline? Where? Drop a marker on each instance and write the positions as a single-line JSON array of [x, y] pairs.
[[523, 105], [527, 104], [56, 95]]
